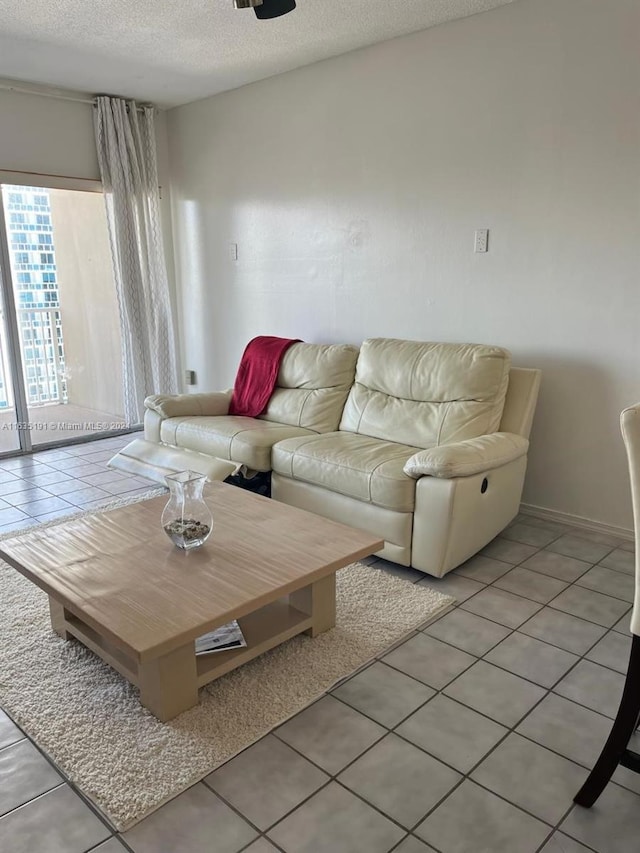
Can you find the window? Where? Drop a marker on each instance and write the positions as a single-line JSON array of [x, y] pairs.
[[46, 257], [17, 218], [15, 198], [20, 237], [43, 219], [24, 278], [44, 239], [48, 278], [42, 200], [22, 257]]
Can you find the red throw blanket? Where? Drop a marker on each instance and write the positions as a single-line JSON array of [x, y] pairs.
[[257, 374]]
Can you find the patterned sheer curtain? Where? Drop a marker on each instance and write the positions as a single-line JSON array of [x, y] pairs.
[[125, 139]]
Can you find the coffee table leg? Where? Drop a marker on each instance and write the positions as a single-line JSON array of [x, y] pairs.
[[168, 684], [319, 601], [57, 618]]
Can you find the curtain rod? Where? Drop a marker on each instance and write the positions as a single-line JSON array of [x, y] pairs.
[[9, 87]]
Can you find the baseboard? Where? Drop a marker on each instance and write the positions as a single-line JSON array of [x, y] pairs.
[[577, 521]]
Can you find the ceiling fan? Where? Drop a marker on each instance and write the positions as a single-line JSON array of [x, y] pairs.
[[265, 9]]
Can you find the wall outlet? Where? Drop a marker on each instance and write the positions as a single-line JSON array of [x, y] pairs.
[[190, 377], [481, 241]]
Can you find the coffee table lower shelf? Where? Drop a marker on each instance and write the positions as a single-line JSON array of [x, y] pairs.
[[263, 630], [169, 682]]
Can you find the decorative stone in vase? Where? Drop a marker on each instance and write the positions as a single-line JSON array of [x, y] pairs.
[[186, 519]]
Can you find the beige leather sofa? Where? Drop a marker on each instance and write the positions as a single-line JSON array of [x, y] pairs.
[[194, 430], [424, 444], [431, 451]]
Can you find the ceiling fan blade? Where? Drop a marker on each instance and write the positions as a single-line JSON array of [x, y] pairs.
[[274, 8]]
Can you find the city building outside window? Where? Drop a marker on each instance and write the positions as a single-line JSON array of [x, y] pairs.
[[39, 324]]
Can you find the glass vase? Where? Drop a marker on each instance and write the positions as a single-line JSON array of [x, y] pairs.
[[186, 519]]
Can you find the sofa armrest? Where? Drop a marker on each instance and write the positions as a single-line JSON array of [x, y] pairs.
[[464, 458], [186, 405]]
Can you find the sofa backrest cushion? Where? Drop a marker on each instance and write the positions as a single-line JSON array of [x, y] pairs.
[[426, 394], [312, 386]]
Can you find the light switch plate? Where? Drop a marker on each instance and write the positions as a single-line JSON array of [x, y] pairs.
[[481, 243]]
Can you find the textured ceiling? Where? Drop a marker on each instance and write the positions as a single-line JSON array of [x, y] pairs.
[[175, 51]]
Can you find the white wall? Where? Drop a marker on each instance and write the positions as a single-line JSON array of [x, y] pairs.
[[162, 153], [353, 188], [40, 134]]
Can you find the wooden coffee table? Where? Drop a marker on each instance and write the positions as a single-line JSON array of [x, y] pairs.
[[116, 583]]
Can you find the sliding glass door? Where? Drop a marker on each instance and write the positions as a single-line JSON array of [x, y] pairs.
[[9, 432], [61, 347]]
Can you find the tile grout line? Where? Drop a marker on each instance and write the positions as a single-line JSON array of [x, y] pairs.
[[262, 833]]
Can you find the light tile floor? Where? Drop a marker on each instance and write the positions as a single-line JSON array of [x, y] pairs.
[[470, 737], [54, 483]]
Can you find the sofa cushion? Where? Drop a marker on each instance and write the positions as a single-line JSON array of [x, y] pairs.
[[426, 394], [356, 465], [312, 386], [244, 440]]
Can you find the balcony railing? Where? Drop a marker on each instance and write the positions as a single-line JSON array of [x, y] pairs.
[[42, 347]]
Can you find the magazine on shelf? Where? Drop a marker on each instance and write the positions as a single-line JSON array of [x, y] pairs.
[[225, 637]]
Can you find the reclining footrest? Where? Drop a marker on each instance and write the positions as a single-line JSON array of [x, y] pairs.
[[154, 461]]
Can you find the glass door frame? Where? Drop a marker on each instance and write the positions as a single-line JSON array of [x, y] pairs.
[[52, 182], [13, 341]]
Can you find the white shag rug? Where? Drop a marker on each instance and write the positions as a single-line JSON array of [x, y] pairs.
[[88, 718]]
